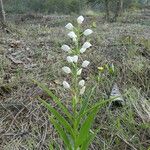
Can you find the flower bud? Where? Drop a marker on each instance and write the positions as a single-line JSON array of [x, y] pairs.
[[66, 48], [81, 83], [74, 39], [80, 19], [101, 69], [87, 32], [66, 69], [72, 35], [86, 45], [79, 72], [66, 85], [69, 26], [82, 50], [82, 90], [85, 63]]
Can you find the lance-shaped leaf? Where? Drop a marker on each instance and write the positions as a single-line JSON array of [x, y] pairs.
[[55, 99], [89, 140], [85, 127], [84, 105], [61, 132], [62, 121], [99, 104]]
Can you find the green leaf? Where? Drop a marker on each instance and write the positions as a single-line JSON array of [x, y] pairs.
[[62, 133], [84, 113], [85, 101], [94, 25], [51, 147], [98, 104], [57, 100], [90, 115], [60, 118], [85, 105], [85, 127], [89, 140]]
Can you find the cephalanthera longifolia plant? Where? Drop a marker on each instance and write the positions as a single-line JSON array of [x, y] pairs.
[[74, 125]]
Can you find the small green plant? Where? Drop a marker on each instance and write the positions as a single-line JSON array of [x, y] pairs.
[[74, 124]]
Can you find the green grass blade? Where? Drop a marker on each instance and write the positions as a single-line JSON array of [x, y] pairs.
[[62, 121], [51, 147], [56, 99], [62, 133]]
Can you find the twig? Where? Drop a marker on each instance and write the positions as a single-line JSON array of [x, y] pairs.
[[124, 140]]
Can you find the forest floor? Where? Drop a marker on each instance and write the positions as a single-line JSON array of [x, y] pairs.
[[30, 49]]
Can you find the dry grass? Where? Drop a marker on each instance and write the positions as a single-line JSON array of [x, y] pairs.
[[31, 50]]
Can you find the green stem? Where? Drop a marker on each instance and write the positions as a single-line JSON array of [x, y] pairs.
[[76, 92]]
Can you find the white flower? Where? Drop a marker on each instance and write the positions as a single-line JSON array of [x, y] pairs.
[[69, 26], [66, 85], [85, 63], [87, 32], [82, 50], [75, 58], [86, 45], [74, 39], [79, 72], [80, 19], [72, 59], [66, 69], [69, 59], [66, 48], [82, 90], [81, 83], [72, 35]]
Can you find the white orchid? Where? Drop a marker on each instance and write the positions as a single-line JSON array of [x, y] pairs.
[[79, 72], [72, 35], [66, 85], [82, 90], [81, 83], [75, 58], [86, 45], [72, 59], [76, 85], [69, 26], [69, 59], [66, 48], [66, 69], [85, 63], [82, 50], [80, 19], [87, 32]]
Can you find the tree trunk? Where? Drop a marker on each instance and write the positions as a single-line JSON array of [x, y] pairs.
[[147, 2], [119, 9], [121, 6], [2, 12], [107, 10]]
